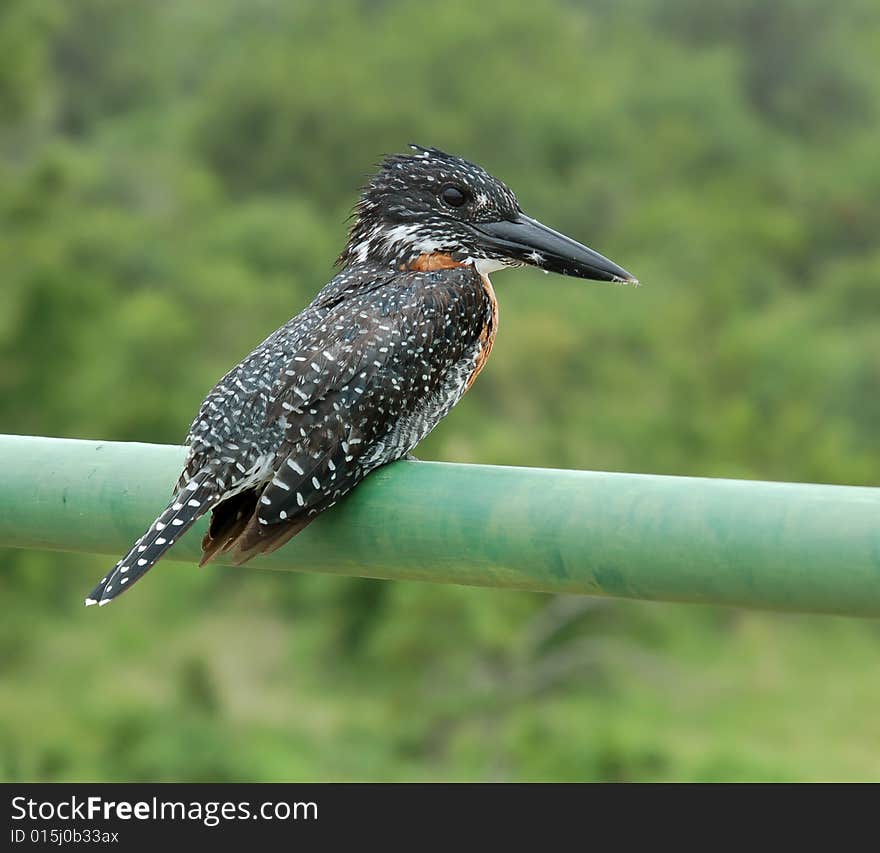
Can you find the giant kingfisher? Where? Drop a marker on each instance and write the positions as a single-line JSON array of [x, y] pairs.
[[367, 370]]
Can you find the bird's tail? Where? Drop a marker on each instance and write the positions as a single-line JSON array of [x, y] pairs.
[[187, 506]]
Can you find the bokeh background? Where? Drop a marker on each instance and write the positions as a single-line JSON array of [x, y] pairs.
[[174, 179]]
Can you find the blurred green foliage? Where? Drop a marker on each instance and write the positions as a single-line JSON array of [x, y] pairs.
[[174, 179]]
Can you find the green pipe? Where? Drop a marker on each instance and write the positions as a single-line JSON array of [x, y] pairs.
[[785, 546]]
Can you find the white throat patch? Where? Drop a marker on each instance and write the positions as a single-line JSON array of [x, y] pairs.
[[484, 266]]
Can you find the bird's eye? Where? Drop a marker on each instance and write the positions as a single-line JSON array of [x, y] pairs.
[[453, 196]]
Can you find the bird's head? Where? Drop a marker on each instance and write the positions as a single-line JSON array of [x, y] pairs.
[[431, 203]]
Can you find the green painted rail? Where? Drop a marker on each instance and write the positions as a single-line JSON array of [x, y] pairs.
[[784, 546]]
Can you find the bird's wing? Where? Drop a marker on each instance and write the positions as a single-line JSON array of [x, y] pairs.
[[243, 411]]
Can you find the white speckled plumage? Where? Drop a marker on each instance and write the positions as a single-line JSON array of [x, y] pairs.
[[361, 375]]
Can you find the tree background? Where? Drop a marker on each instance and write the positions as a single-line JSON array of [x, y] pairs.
[[174, 179]]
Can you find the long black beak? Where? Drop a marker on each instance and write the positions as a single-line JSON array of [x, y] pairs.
[[525, 240]]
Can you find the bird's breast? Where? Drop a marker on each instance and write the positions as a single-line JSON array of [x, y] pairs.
[[429, 262], [489, 331], [432, 261]]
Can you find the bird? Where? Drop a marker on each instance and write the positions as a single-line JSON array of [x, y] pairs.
[[361, 375]]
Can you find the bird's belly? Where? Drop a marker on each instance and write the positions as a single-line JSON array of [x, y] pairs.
[[415, 424]]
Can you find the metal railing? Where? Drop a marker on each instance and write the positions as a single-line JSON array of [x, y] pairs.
[[785, 546]]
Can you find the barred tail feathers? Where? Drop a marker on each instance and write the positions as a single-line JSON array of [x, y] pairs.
[[187, 506]]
